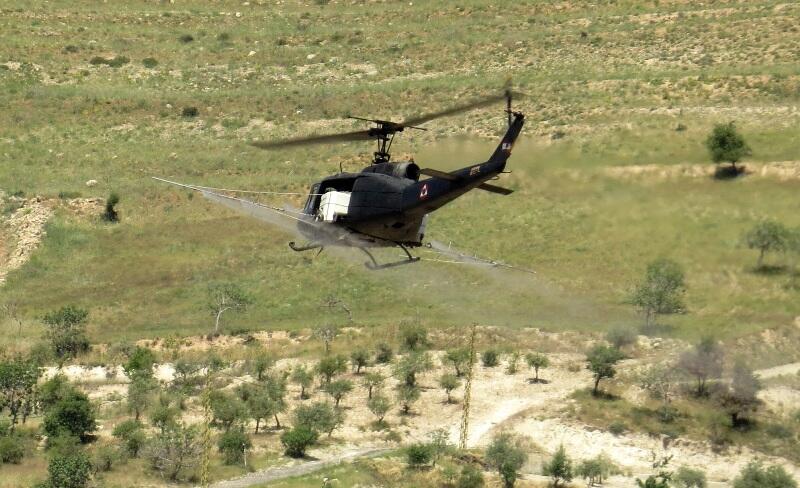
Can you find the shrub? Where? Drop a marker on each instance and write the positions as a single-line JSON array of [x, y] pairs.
[[132, 436], [513, 360], [471, 477], [297, 440], [66, 331], [620, 337], [413, 336], [379, 405], [360, 359], [233, 444], [73, 415], [419, 455], [319, 417], [105, 457], [755, 475], [190, 112], [689, 478], [384, 353], [617, 427], [150, 63], [72, 471], [186, 38], [12, 449], [489, 358], [110, 214]]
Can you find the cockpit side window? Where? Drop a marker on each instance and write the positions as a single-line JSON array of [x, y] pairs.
[[312, 203]]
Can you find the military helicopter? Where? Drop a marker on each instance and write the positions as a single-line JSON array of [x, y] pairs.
[[386, 204]]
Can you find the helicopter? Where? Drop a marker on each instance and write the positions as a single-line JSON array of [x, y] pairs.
[[387, 203]]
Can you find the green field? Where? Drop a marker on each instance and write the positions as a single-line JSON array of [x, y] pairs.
[[608, 85]]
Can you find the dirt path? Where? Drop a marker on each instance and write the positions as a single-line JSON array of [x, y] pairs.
[[25, 228], [275, 474]]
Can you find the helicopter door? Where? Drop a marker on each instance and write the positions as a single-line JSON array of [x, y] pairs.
[[313, 200]]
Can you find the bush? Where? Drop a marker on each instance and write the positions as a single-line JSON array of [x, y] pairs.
[[73, 415], [413, 336], [105, 457], [150, 63], [66, 331], [689, 478], [132, 436], [186, 38], [12, 449], [620, 337], [384, 354], [471, 477], [507, 456], [297, 440], [755, 475], [559, 467], [419, 455], [190, 112], [72, 471], [233, 444], [617, 427], [489, 358], [110, 214]]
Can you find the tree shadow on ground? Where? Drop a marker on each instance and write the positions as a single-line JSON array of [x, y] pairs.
[[535, 381], [770, 269], [729, 172], [656, 329]]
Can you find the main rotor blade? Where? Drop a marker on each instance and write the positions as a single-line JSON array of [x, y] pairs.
[[476, 104], [360, 135]]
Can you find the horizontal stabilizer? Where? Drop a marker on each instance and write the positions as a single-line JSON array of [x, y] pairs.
[[439, 174], [495, 189]]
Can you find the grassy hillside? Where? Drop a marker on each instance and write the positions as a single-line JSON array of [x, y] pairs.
[[97, 91]]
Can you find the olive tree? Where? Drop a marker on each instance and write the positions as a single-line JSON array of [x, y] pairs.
[[372, 381], [703, 362], [601, 360], [559, 467], [767, 236], [303, 378], [66, 331], [506, 455], [449, 382], [175, 452], [756, 475], [661, 290], [18, 378], [725, 144], [223, 297], [537, 361]]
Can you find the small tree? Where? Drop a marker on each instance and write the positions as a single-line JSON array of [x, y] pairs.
[[470, 477], [233, 445], [661, 290], [413, 336], [303, 378], [139, 393], [259, 405], [600, 361], [319, 416], [536, 361], [260, 363], [687, 477], [66, 332], [379, 405], [338, 389], [755, 475], [18, 378], [360, 359], [163, 415], [131, 435], [227, 410], [767, 236], [372, 381], [506, 455], [140, 364], [175, 452], [411, 365], [330, 366], [296, 441], [742, 397], [513, 359], [459, 359], [449, 382], [725, 144], [72, 415], [69, 471], [595, 470], [703, 362], [660, 381], [559, 467], [326, 333], [223, 297], [407, 396]]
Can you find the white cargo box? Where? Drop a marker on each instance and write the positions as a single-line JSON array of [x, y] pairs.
[[333, 204]]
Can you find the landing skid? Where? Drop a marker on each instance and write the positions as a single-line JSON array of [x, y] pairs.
[[307, 247], [373, 265]]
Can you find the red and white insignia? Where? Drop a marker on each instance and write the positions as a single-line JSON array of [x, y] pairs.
[[423, 193]]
